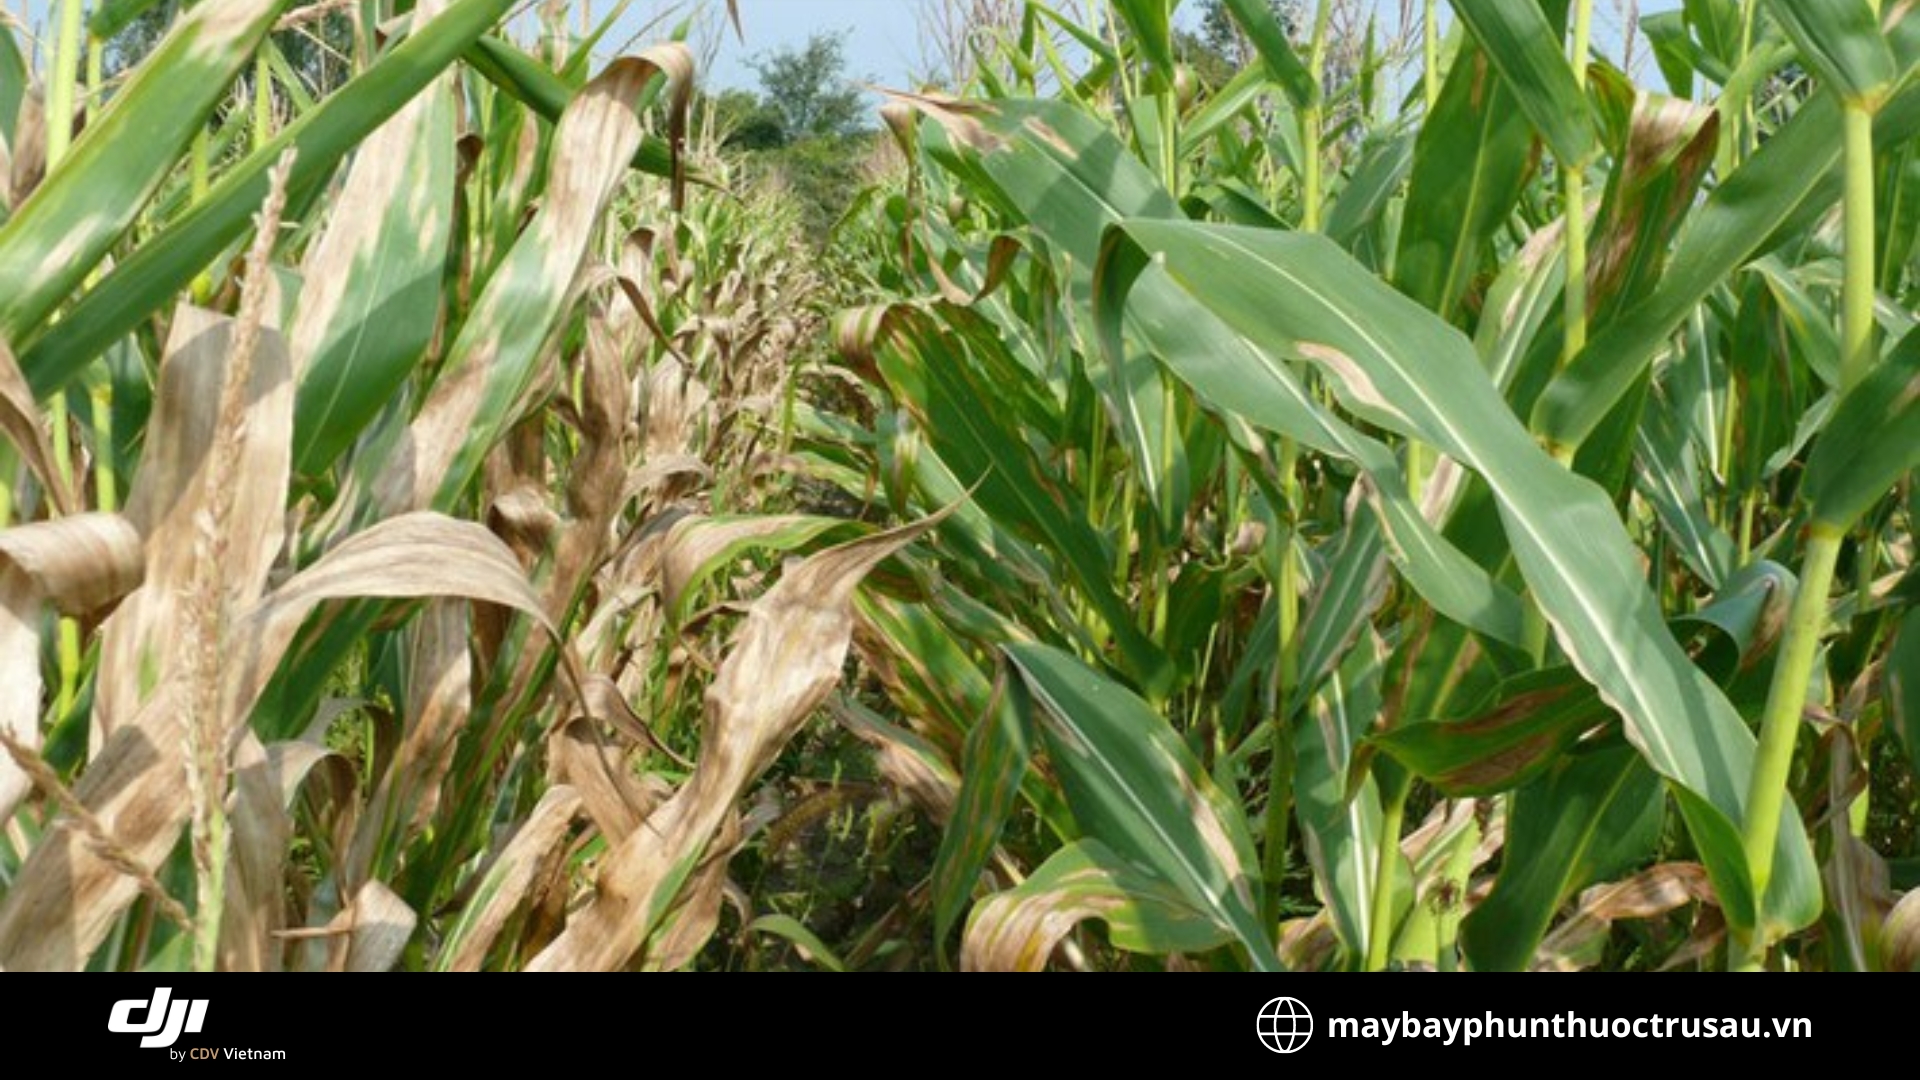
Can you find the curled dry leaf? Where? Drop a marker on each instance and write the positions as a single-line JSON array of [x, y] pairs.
[[497, 357], [786, 660], [1017, 930], [76, 564], [20, 422], [141, 646], [615, 801], [66, 897], [1575, 943], [506, 882], [698, 545], [910, 763], [959, 118], [378, 926]]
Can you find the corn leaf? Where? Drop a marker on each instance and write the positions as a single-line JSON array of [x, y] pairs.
[[1135, 787], [1395, 365]]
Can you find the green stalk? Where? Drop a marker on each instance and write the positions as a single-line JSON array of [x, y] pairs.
[[1573, 186], [1857, 288], [1312, 120], [262, 98], [1573, 180], [61, 82], [105, 479], [1287, 590], [1747, 124], [96, 62], [1380, 919], [1430, 41], [1279, 814], [1793, 670]]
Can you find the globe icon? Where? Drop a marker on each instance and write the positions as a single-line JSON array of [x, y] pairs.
[[1285, 1025]]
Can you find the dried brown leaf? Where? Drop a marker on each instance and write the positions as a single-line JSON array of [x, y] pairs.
[[786, 660], [379, 925], [913, 765], [695, 541], [613, 797], [76, 564], [1575, 943], [28, 151], [142, 645], [538, 839], [66, 897], [439, 701], [686, 928], [20, 422], [594, 143]]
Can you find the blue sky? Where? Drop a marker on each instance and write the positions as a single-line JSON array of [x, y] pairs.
[[884, 43], [883, 37]]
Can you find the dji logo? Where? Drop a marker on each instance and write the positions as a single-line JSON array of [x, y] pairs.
[[162, 1025]]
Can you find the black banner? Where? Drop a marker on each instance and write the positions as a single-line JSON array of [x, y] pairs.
[[702, 1022]]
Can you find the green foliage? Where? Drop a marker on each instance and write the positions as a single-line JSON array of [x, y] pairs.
[[808, 90]]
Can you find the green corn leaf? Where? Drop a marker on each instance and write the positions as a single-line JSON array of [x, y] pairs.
[[373, 281], [796, 933], [1070, 178], [1017, 930], [1152, 24], [1383, 167], [998, 751], [1872, 441], [148, 281], [1135, 787], [534, 85], [1269, 39], [1903, 686], [1342, 823], [1594, 815], [1718, 26], [1841, 41], [1790, 180], [112, 16], [1471, 162], [1669, 477], [1395, 365], [1673, 50], [1527, 51], [61, 232], [1533, 720], [14, 78], [927, 364], [1232, 372]]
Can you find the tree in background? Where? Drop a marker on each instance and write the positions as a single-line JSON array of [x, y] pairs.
[[1223, 37], [808, 89], [806, 129]]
